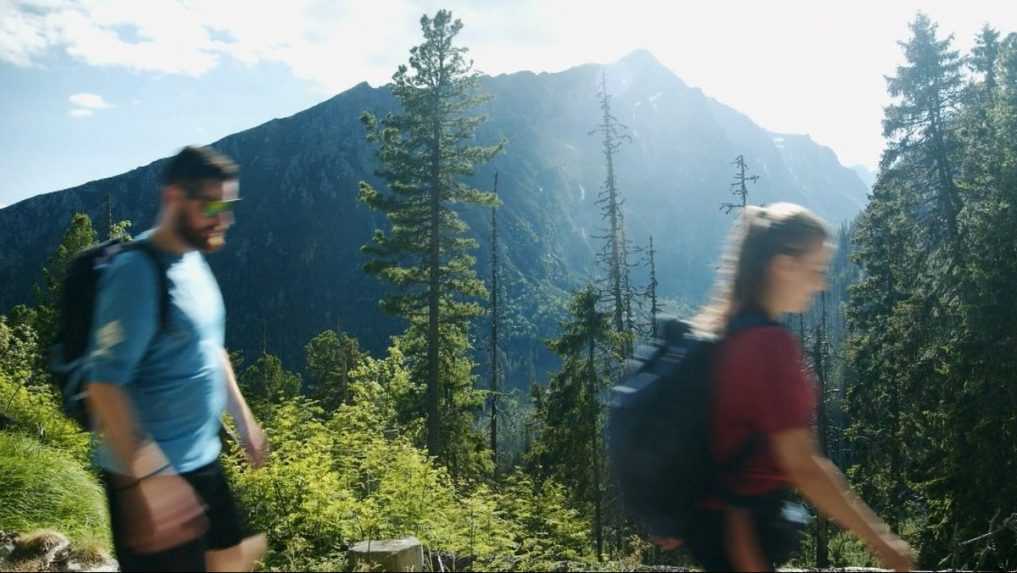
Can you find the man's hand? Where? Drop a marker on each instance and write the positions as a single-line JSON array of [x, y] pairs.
[[255, 444], [160, 512]]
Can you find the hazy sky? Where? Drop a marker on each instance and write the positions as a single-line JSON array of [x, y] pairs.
[[92, 89]]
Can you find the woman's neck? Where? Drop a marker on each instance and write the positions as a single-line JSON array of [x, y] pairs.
[[765, 307]]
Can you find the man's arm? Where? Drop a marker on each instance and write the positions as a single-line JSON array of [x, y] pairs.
[[252, 438], [124, 326], [114, 419]]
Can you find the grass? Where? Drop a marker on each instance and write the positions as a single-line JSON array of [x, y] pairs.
[[44, 488]]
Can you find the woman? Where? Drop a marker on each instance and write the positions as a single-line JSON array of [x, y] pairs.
[[763, 403]]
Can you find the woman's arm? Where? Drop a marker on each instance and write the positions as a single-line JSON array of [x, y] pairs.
[[823, 485], [741, 541]]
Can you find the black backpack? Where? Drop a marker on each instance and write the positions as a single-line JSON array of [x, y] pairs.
[[77, 310], [658, 428]]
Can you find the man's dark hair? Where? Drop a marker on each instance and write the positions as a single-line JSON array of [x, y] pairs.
[[194, 165]]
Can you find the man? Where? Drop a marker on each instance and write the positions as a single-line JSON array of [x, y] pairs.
[[157, 388]]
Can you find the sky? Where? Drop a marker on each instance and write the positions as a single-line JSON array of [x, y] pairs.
[[93, 89]]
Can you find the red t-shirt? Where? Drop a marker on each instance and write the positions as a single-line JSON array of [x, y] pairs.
[[760, 388]]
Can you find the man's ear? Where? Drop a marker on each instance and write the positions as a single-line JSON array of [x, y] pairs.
[[171, 195]]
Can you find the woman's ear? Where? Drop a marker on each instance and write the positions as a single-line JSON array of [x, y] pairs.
[[781, 267]]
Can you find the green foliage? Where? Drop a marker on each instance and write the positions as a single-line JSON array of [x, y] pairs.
[[121, 230], [19, 347], [425, 151], [846, 550], [330, 357], [79, 236], [931, 397], [43, 488], [266, 381], [355, 475], [568, 413], [466, 451], [34, 411], [544, 527]]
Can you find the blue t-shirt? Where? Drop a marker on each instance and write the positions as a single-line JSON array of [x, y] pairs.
[[174, 377]]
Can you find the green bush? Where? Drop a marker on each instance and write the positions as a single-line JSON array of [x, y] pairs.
[[34, 411], [44, 488], [356, 475]]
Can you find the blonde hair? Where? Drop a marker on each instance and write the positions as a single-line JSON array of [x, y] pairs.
[[761, 234]]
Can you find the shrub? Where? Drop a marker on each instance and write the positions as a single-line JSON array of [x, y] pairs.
[[44, 488], [34, 411]]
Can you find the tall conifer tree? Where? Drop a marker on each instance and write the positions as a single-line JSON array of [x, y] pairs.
[[425, 150]]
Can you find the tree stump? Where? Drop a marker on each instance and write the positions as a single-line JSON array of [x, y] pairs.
[[389, 555]]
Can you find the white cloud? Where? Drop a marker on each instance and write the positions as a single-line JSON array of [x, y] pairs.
[[323, 42], [89, 101], [796, 66], [86, 104]]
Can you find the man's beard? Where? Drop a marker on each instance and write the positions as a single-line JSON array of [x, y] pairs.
[[197, 238]]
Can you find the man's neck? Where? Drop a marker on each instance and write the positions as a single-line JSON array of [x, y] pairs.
[[164, 239]]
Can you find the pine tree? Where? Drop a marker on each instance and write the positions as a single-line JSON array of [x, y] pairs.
[[908, 244], [628, 292], [739, 187], [330, 358], [613, 256], [820, 364], [568, 412], [985, 58], [79, 236], [928, 89], [266, 382], [425, 150], [931, 397], [495, 318], [109, 216], [652, 289]]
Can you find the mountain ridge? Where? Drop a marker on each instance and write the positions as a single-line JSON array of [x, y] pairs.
[[292, 267]]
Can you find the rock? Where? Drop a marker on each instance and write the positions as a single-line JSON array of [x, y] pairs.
[[47, 550], [6, 545], [40, 548], [389, 555]]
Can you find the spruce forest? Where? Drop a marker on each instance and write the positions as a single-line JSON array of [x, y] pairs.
[[470, 414]]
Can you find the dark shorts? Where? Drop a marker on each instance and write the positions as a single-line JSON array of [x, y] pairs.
[[779, 538], [225, 529]]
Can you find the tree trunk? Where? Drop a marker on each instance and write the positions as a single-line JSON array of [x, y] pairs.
[[434, 298], [494, 330], [822, 527], [598, 523]]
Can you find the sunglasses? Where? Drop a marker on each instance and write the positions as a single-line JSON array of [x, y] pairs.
[[211, 208], [215, 208]]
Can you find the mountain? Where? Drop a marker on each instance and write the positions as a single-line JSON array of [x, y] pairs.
[[292, 267], [867, 176]]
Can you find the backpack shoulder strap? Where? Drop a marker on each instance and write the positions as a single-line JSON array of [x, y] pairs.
[[149, 251], [756, 442]]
